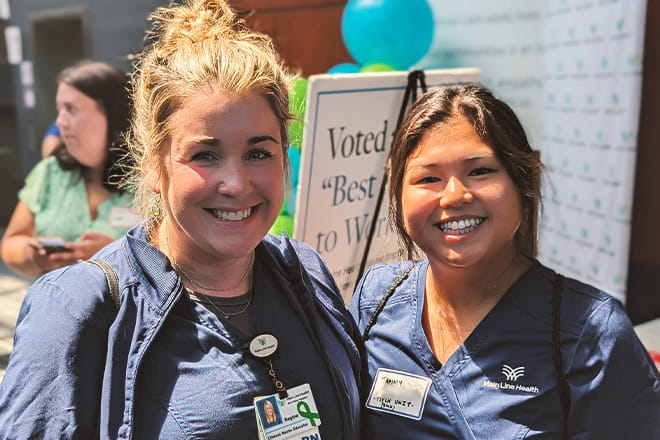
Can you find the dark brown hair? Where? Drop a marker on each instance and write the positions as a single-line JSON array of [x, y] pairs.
[[107, 85], [497, 125]]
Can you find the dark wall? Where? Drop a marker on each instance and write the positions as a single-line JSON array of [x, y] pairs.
[[643, 301], [54, 34]]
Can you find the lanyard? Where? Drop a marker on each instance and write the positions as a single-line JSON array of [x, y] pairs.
[[263, 347]]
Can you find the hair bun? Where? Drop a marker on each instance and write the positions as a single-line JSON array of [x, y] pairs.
[[193, 22]]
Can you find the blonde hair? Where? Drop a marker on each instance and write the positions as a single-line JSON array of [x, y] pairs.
[[199, 44]]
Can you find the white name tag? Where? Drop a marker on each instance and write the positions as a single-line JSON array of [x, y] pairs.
[[292, 418], [399, 393], [123, 217]]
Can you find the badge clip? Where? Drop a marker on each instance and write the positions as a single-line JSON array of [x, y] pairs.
[[263, 347]]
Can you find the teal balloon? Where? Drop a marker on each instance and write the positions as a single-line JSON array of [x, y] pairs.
[[297, 105], [294, 165], [345, 68], [394, 32], [377, 67], [291, 190], [283, 223]]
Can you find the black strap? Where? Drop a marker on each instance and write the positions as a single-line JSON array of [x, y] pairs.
[[111, 277], [414, 77], [562, 384], [383, 301]]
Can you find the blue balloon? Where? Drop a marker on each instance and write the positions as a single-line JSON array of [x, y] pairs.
[[345, 68], [291, 191], [294, 162], [393, 32]]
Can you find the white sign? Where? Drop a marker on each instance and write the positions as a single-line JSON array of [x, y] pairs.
[[14, 45], [5, 13], [27, 73], [349, 122]]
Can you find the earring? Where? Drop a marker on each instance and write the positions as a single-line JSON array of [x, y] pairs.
[[155, 209]]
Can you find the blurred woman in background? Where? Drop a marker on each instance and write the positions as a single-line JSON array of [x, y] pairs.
[[71, 205]]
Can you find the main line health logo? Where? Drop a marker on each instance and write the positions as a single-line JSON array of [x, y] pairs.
[[511, 375]]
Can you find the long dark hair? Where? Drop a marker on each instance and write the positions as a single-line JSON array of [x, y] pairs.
[[497, 125], [107, 85]]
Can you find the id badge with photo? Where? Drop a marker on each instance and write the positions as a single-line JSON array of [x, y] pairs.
[[292, 418]]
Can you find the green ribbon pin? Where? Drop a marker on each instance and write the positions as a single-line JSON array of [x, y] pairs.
[[307, 413]]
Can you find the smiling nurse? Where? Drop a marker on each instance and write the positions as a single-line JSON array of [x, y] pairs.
[[216, 315], [479, 340]]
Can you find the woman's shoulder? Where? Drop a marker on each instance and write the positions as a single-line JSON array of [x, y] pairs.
[[381, 277], [46, 175], [581, 302], [575, 289], [72, 292], [291, 252], [49, 166]]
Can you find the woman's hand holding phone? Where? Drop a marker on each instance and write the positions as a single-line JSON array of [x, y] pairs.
[[53, 246]]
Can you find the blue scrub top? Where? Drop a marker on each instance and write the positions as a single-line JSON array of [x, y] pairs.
[[189, 402], [615, 388]]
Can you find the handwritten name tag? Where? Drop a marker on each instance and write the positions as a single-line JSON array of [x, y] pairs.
[[399, 393]]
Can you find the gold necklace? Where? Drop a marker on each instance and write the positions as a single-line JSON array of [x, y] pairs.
[[179, 269], [185, 275], [226, 315]]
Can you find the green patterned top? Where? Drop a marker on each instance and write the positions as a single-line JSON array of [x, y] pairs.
[[58, 200]]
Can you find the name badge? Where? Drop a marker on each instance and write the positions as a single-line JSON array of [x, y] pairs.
[[121, 217], [294, 417], [399, 393]]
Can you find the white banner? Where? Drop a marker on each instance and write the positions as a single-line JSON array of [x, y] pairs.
[[572, 73], [591, 103], [349, 122]]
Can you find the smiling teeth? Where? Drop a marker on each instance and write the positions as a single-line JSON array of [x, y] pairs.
[[234, 215], [459, 227]]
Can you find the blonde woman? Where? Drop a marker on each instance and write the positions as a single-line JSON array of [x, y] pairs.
[[214, 312], [270, 417]]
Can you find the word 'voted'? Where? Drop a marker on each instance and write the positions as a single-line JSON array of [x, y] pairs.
[[348, 145]]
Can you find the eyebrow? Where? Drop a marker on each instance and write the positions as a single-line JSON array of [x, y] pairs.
[[213, 142], [258, 139], [468, 159]]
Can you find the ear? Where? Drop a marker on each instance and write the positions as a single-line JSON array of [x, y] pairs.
[[153, 181]]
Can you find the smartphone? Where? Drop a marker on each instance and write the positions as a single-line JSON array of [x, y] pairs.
[[52, 246]]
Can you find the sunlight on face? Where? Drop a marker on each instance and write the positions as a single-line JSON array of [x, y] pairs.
[[224, 173]]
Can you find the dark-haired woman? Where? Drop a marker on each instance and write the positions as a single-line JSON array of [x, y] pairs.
[[478, 340], [73, 197]]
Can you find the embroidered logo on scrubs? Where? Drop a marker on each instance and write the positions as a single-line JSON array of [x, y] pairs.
[[511, 383], [512, 373]]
